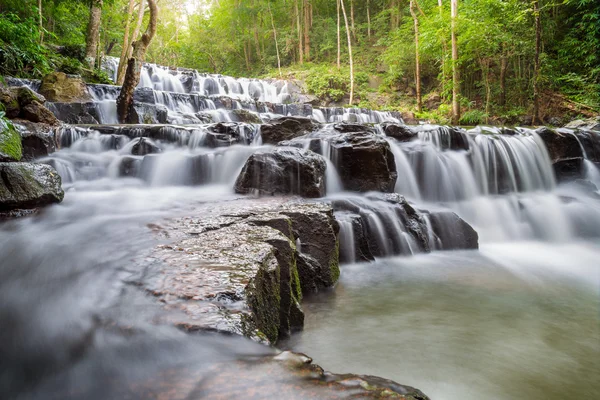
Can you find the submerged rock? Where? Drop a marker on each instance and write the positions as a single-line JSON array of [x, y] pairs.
[[145, 146], [283, 171], [26, 185], [452, 232]]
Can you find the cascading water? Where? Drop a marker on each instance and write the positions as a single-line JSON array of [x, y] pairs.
[[531, 229]]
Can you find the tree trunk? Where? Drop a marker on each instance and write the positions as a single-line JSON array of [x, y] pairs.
[[91, 44], [41, 21], [339, 43], [307, 30], [125, 49], [503, 69], [536, 66], [368, 20], [352, 19], [417, 63], [138, 27], [455, 75], [275, 38], [134, 67], [299, 28], [349, 52]]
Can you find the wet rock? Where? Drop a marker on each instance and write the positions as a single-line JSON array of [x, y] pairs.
[[286, 128], [364, 162], [568, 169], [230, 279], [22, 102], [76, 113], [37, 139], [10, 102], [60, 87], [448, 137], [399, 132], [241, 115], [25, 185], [145, 146], [453, 232], [236, 269], [283, 171], [148, 114], [347, 127], [130, 166], [36, 112], [560, 145], [588, 124], [144, 95], [229, 133]]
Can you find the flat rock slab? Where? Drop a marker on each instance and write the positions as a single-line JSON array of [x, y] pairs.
[[236, 269]]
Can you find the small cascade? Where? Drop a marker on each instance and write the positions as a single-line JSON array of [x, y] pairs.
[[354, 115]]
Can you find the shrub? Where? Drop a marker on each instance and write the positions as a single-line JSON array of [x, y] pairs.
[[20, 51]]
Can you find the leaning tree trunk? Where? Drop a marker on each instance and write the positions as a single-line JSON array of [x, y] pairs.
[[93, 30], [455, 75], [134, 67], [125, 48], [417, 62], [536, 66], [349, 53]]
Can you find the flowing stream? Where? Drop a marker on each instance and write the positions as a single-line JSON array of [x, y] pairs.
[[518, 318]]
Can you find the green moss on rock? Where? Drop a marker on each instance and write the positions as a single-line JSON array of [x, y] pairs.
[[10, 141]]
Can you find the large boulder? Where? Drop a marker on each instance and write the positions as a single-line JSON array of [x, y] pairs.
[[26, 185], [283, 171], [60, 87], [286, 128], [36, 112], [364, 162]]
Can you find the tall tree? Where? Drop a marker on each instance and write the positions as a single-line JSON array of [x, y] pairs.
[[339, 46], [349, 52], [417, 62], [455, 74], [536, 65], [125, 48], [40, 21], [134, 66], [93, 32], [275, 38]]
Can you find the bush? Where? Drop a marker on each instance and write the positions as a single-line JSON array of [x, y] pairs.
[[327, 85]]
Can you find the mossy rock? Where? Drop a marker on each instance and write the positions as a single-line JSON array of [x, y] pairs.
[[246, 116], [27, 185], [60, 87], [10, 142]]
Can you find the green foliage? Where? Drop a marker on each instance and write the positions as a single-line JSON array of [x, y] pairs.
[[473, 117], [327, 83], [20, 52]]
